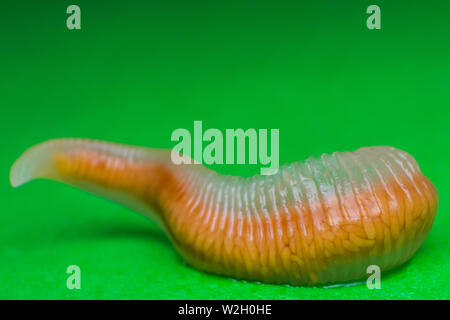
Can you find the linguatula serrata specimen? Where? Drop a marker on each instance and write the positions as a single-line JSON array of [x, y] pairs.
[[320, 221]]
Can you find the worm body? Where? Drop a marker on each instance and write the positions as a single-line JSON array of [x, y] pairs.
[[320, 221]]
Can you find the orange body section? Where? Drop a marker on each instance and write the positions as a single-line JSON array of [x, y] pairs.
[[324, 241], [300, 245]]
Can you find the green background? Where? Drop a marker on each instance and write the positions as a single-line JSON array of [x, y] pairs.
[[138, 70]]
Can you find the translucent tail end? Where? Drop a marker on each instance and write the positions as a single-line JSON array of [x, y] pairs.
[[72, 160], [38, 162], [132, 176]]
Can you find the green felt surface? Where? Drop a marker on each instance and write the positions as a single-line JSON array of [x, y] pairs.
[[138, 70]]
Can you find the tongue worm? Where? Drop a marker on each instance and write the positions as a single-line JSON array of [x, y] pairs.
[[320, 221]]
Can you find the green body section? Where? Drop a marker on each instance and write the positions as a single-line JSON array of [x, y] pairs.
[[136, 72]]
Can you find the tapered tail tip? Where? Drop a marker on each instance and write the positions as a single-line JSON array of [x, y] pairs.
[[16, 175], [33, 163]]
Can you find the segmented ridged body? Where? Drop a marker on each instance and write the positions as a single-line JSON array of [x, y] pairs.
[[324, 220]]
